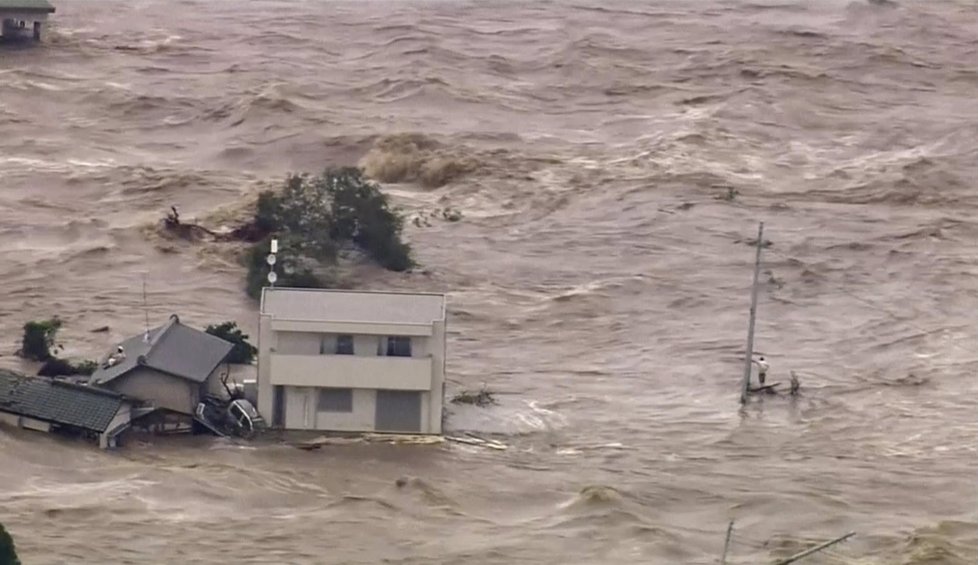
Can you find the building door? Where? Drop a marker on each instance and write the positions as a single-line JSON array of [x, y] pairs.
[[398, 411], [278, 407]]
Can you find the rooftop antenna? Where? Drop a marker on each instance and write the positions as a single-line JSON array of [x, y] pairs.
[[146, 311], [753, 314], [272, 275]]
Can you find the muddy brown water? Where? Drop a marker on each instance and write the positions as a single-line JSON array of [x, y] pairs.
[[596, 276]]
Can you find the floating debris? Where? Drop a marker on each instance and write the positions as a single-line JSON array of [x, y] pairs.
[[392, 439], [482, 398], [478, 441]]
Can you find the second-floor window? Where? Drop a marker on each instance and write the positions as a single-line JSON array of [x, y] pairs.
[[344, 345], [399, 346]]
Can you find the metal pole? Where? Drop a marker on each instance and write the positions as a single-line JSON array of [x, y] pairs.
[[753, 314], [819, 547], [726, 543]]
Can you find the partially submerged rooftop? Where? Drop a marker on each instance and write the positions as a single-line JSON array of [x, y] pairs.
[[58, 402], [173, 348], [372, 307], [26, 7]]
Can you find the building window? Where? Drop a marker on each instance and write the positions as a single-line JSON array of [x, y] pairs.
[[399, 346], [336, 400], [344, 345]]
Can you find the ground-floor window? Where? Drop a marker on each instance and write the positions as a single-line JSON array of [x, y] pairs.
[[336, 400]]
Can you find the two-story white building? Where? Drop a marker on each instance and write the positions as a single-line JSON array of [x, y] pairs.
[[351, 361]]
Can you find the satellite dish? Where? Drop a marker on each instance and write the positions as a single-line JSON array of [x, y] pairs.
[[272, 277], [270, 259]]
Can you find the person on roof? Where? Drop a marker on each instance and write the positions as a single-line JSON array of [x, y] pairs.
[[762, 368], [116, 357]]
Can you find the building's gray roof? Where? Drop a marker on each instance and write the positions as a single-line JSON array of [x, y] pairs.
[[172, 348], [60, 402], [26, 6], [352, 306]]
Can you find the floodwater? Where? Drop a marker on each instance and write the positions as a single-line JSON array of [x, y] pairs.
[[598, 277]]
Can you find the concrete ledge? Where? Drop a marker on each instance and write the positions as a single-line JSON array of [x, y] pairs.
[[351, 371]]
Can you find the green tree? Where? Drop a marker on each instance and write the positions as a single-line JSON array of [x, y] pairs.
[[312, 217], [242, 352], [39, 339]]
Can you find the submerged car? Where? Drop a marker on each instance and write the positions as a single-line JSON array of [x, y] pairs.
[[236, 417]]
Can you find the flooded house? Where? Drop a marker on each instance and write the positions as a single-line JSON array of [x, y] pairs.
[[346, 361], [50, 405], [17, 16], [172, 368]]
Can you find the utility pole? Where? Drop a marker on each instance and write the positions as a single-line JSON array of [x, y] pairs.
[[753, 314], [726, 543]]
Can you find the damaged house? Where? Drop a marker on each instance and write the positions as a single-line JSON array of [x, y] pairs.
[[171, 368], [49, 405]]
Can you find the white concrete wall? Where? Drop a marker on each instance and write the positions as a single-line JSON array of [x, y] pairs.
[[302, 411], [433, 403], [25, 422], [351, 328], [314, 364], [298, 343], [266, 344], [351, 371]]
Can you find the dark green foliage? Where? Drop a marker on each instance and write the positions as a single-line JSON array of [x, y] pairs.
[[86, 367], [243, 352], [56, 367], [313, 217], [293, 270], [266, 212], [8, 555], [361, 214], [37, 344], [39, 339]]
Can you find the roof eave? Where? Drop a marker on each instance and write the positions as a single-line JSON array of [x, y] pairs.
[[26, 10]]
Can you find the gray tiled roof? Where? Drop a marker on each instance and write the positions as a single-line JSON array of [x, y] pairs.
[[56, 401], [370, 307], [27, 6], [172, 348]]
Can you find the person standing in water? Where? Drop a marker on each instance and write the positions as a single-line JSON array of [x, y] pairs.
[[762, 368]]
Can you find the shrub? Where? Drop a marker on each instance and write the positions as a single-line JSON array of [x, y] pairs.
[[312, 217], [56, 367], [243, 352], [39, 339], [37, 344], [8, 555], [86, 367]]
